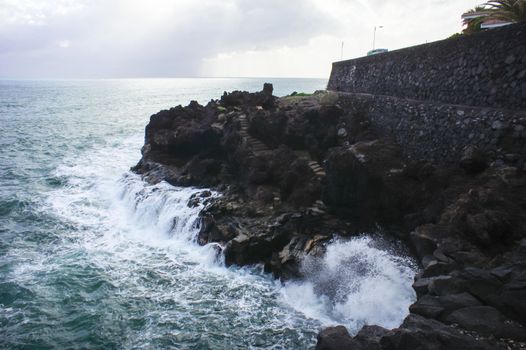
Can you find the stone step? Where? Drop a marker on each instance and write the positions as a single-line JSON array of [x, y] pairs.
[[302, 154], [316, 212], [319, 202], [259, 149], [312, 162], [254, 140], [316, 167], [321, 173]]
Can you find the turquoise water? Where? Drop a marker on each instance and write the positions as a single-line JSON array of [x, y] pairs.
[[92, 257]]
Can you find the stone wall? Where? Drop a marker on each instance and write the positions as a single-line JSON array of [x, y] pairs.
[[485, 69], [440, 132]]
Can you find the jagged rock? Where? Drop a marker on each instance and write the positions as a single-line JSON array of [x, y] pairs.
[[483, 319], [369, 337], [418, 332], [263, 99], [512, 296], [246, 250], [366, 180], [437, 306], [335, 338], [473, 160], [274, 160]]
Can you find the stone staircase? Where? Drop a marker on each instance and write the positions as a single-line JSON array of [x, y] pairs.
[[318, 170], [318, 208], [313, 164], [257, 148], [256, 145]]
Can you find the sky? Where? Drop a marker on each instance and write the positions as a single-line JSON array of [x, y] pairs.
[[209, 38]]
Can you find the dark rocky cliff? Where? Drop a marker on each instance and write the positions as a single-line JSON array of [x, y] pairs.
[[293, 171]]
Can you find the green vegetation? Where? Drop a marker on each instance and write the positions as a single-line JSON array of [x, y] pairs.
[[508, 10], [300, 94], [456, 35], [473, 24], [504, 10]]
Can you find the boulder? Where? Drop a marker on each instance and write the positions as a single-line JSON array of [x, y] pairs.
[[483, 319], [473, 160], [336, 338], [437, 306], [512, 296], [421, 333], [246, 250]]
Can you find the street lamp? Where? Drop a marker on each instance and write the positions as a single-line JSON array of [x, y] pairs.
[[374, 35]]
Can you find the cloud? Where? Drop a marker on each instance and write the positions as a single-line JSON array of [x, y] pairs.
[[139, 38]]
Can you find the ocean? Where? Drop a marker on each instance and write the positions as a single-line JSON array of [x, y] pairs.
[[92, 257]]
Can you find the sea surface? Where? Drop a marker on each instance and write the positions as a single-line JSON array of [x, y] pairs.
[[91, 257]]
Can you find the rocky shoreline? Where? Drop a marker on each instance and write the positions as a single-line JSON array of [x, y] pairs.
[[296, 170]]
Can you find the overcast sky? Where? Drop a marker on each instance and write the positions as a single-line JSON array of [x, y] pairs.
[[223, 38]]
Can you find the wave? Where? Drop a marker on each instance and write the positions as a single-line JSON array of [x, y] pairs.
[[127, 269], [357, 282]]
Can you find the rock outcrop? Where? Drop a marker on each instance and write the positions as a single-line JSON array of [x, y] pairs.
[[293, 171]]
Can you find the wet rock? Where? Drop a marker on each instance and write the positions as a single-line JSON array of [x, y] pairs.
[[276, 162], [418, 332], [369, 337], [335, 338], [246, 250], [422, 285], [437, 306], [483, 319], [512, 295]]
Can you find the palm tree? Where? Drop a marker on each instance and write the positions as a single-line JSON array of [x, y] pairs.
[[507, 10], [473, 24]]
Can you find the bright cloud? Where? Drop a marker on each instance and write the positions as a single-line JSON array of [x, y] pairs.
[[165, 38]]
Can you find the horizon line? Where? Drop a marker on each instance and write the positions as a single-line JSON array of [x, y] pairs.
[[152, 78]]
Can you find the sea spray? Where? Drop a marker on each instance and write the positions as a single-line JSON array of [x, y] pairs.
[[357, 282], [94, 257]]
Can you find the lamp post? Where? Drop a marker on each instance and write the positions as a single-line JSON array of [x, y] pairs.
[[374, 35], [342, 52]]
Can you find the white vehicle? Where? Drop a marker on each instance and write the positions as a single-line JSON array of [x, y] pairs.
[[376, 51]]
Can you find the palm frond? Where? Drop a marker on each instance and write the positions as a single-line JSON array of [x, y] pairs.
[[507, 10]]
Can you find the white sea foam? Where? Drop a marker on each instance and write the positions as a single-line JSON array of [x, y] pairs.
[[355, 283], [127, 228], [103, 197]]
